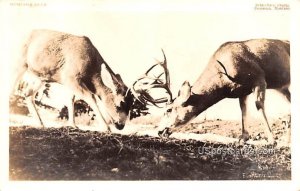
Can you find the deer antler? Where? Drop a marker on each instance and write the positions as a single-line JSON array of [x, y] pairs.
[[145, 83]]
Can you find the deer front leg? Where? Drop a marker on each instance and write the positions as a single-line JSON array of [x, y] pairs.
[[165, 133], [101, 120], [82, 92], [243, 106], [90, 99], [71, 113], [259, 93]]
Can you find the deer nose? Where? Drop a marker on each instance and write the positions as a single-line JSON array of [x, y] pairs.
[[119, 126]]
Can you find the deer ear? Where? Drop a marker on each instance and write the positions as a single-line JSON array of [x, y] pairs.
[[107, 78], [119, 78], [184, 92]]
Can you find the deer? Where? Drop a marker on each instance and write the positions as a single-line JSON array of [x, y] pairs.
[[74, 62], [236, 70]]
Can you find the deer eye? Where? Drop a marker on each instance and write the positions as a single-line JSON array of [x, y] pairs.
[[169, 110]]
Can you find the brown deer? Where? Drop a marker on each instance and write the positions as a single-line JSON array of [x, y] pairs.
[[73, 61], [235, 70]]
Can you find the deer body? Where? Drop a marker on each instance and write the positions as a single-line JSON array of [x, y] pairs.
[[74, 62], [235, 70]]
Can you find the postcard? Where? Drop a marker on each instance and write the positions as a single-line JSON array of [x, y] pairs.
[[171, 94]]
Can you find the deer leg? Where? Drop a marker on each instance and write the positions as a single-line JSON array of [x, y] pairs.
[[71, 112], [259, 93], [30, 99], [33, 110], [243, 106], [102, 110], [286, 93], [101, 120], [93, 104], [86, 95]]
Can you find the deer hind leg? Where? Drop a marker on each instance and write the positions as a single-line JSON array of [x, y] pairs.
[[83, 93], [32, 89], [243, 106], [259, 93], [285, 91]]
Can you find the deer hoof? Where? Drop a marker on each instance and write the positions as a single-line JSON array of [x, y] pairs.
[[271, 141], [165, 133], [244, 137]]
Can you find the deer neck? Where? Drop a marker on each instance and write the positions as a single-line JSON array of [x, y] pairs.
[[207, 91], [200, 102]]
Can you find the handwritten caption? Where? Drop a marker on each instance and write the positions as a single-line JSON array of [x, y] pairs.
[[27, 4], [272, 7]]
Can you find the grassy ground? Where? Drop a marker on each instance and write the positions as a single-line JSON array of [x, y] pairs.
[[53, 154]]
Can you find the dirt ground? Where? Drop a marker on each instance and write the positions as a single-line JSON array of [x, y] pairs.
[[54, 154]]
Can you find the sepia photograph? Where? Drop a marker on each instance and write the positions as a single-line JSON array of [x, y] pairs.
[[148, 91]]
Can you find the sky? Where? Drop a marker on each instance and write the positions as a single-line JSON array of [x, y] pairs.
[[130, 36]]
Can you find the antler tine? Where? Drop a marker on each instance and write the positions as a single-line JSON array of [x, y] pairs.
[[160, 75], [150, 69], [167, 75], [149, 99], [166, 67], [141, 90], [164, 86]]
